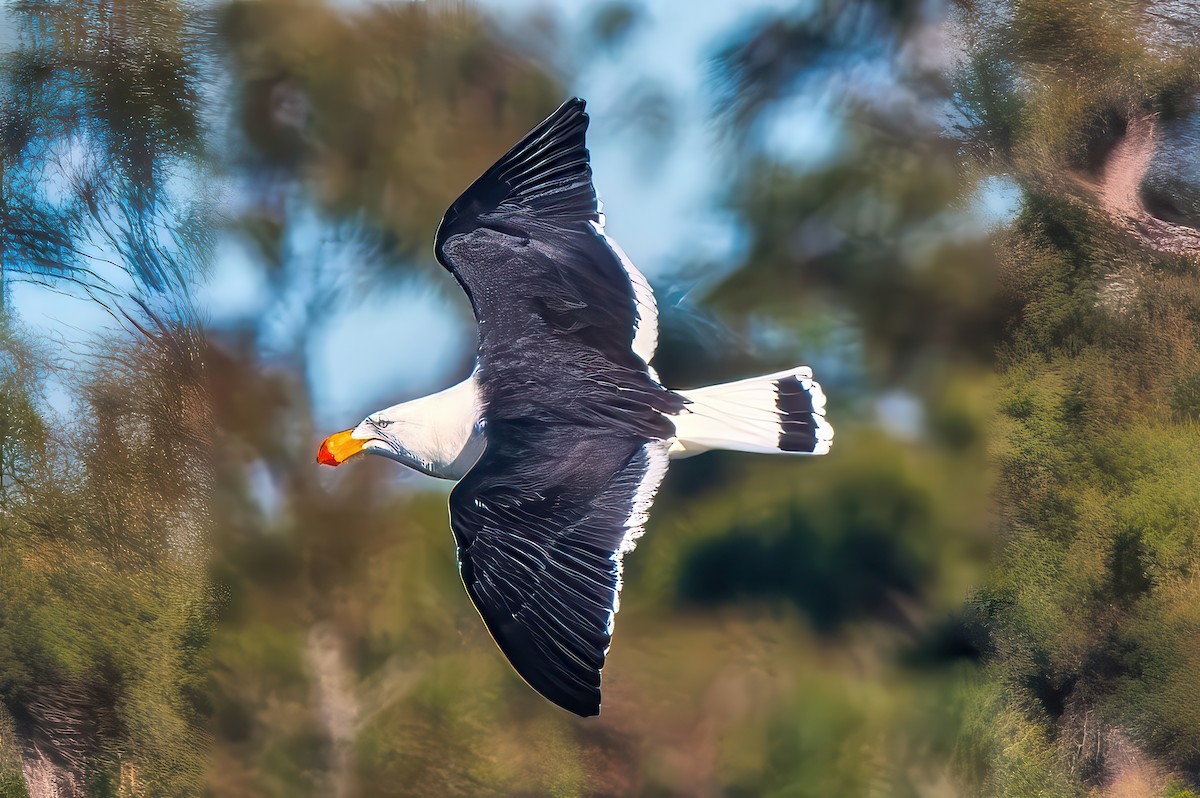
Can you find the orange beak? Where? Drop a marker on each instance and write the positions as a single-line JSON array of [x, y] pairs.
[[338, 448]]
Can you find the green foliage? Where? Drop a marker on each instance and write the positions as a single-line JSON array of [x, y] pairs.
[[12, 784], [1087, 603], [820, 546], [1021, 755], [1177, 789], [872, 240], [96, 611], [1185, 398]]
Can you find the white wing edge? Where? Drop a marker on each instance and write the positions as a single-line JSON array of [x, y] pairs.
[[657, 460], [645, 338]]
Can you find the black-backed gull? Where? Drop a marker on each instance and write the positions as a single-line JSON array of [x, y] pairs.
[[561, 435]]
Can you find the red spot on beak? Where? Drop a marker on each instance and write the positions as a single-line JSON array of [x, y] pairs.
[[338, 448], [325, 457]]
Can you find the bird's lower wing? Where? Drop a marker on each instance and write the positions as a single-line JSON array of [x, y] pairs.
[[542, 523]]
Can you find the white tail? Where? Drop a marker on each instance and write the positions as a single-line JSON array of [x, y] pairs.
[[782, 412]]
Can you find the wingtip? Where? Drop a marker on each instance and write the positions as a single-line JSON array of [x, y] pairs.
[[548, 169], [576, 106], [585, 709], [583, 702]]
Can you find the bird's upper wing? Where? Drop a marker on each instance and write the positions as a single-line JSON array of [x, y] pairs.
[[529, 236], [541, 524]]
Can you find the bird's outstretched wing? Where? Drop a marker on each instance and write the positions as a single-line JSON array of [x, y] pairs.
[[528, 236], [575, 422], [541, 526]]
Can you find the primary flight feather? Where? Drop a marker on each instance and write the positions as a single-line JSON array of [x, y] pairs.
[[561, 436]]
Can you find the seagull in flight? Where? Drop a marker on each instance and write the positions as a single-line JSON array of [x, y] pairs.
[[561, 436]]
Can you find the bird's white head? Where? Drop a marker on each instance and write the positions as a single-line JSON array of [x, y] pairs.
[[379, 433], [440, 435]]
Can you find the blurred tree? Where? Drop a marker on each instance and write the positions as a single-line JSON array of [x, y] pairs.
[[388, 110], [100, 117], [1087, 605], [104, 611], [878, 228], [105, 600]]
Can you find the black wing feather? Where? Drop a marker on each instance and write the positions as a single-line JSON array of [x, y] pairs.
[[547, 173], [523, 241], [572, 415], [539, 545]]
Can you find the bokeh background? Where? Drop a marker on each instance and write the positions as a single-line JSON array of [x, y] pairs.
[[217, 225]]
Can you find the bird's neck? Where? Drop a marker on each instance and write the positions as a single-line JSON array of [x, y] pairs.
[[443, 429]]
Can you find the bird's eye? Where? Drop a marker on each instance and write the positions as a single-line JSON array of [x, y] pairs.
[[383, 423]]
